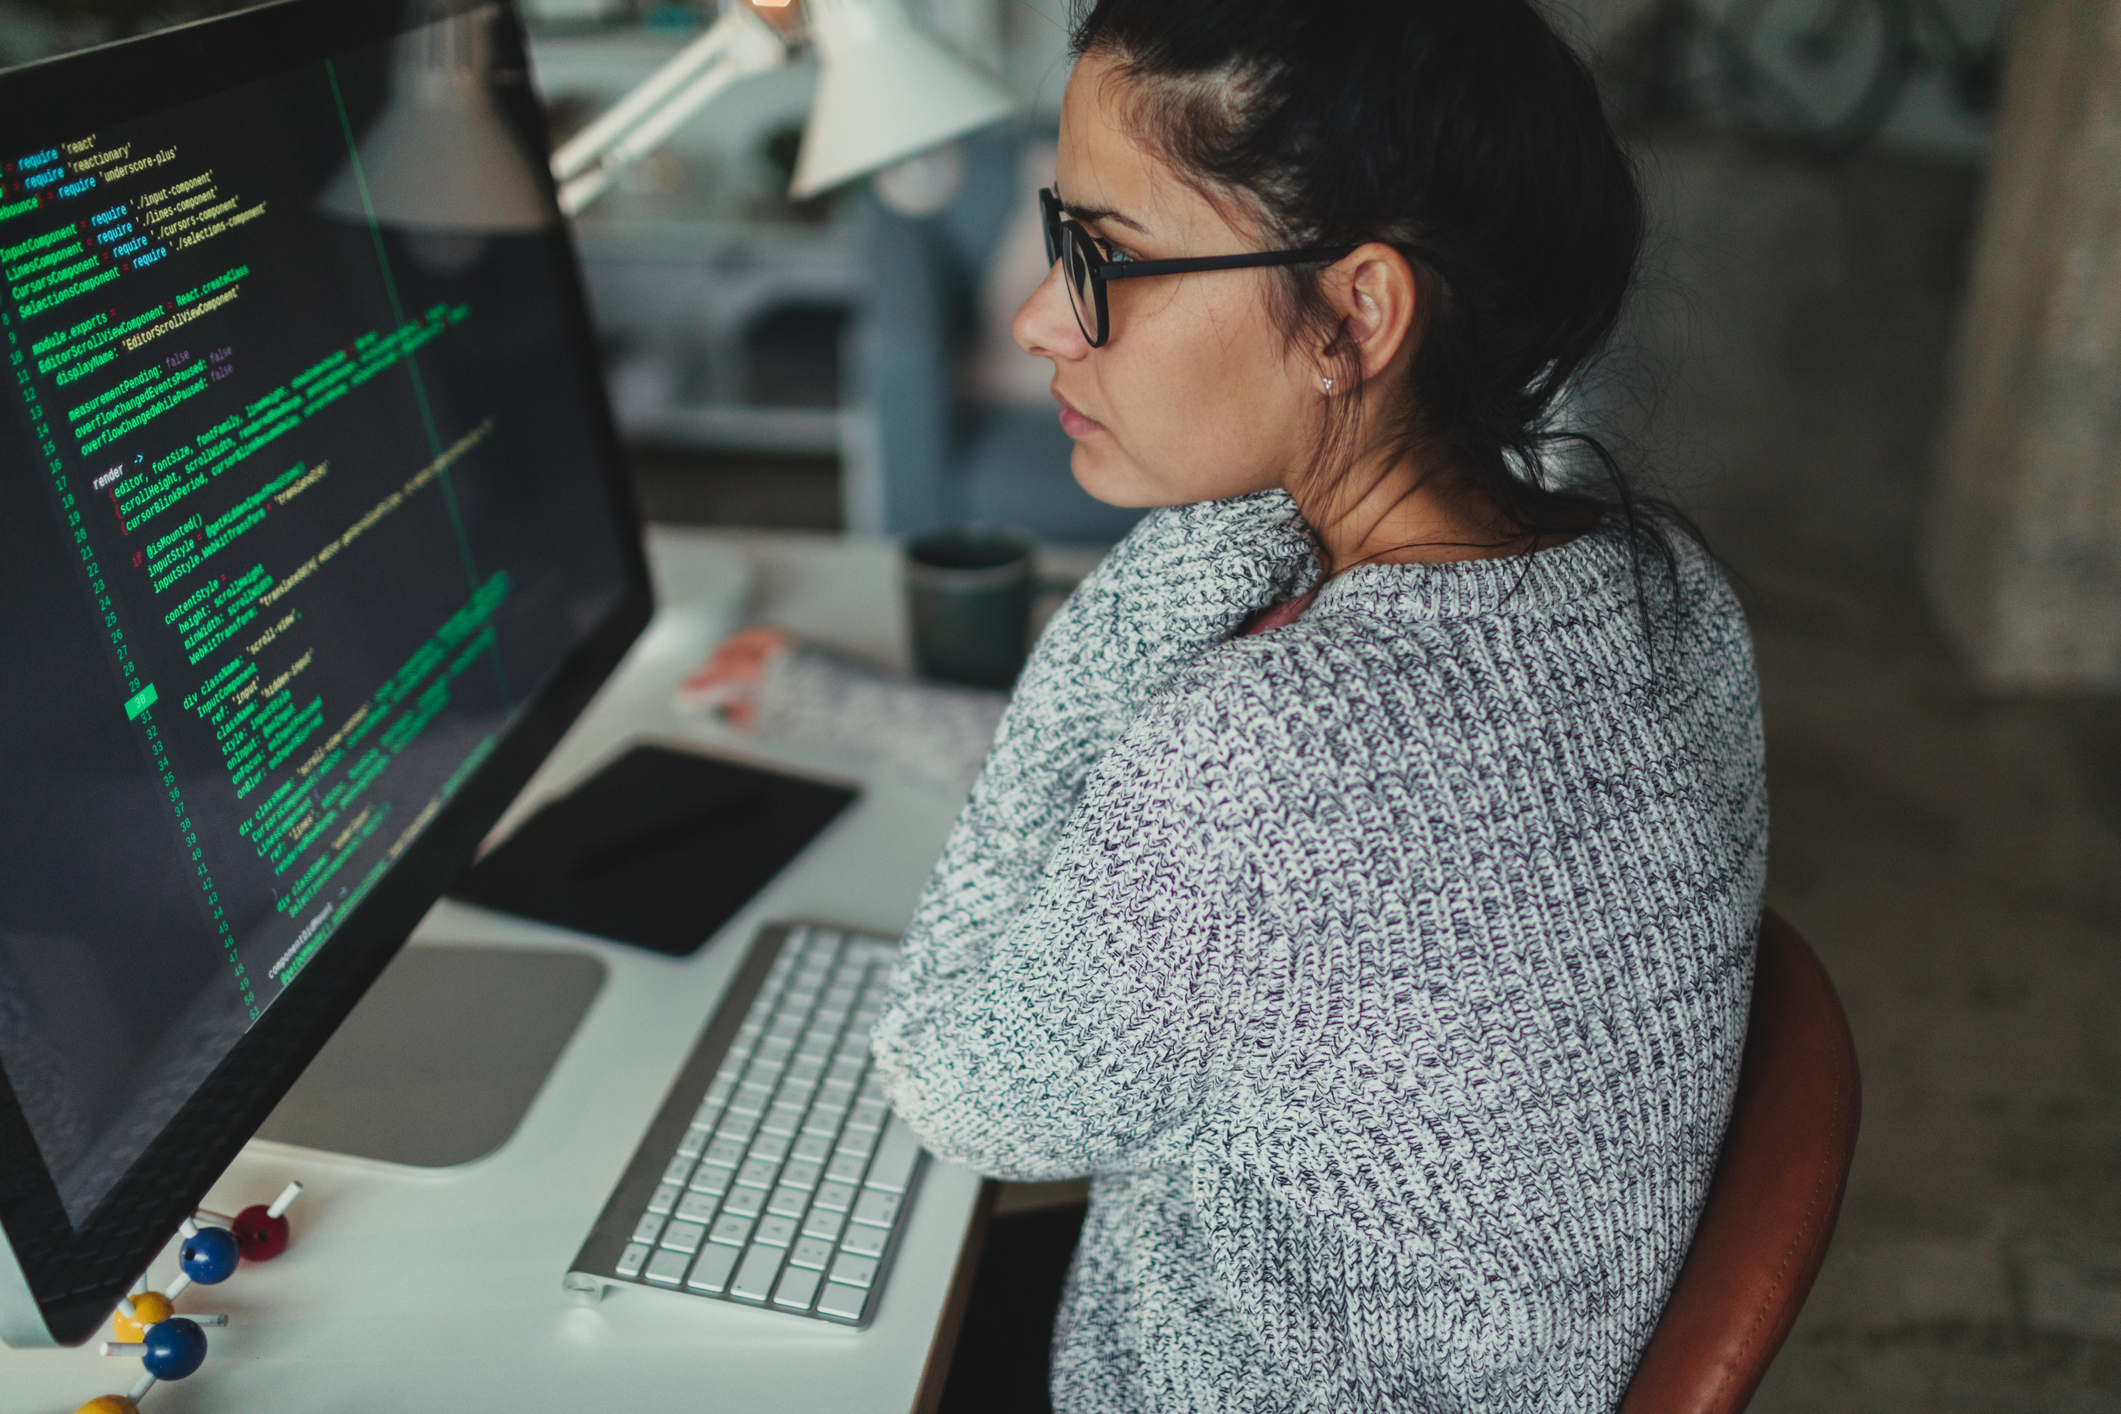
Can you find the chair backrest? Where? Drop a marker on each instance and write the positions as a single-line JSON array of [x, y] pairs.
[[1776, 1194]]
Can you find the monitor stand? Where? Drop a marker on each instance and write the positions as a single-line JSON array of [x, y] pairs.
[[440, 1060]]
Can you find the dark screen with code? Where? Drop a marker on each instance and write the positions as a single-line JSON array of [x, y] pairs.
[[301, 503]]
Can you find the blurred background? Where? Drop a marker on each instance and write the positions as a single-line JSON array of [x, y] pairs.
[[1877, 354]]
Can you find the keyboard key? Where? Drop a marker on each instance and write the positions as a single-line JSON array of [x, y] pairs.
[[813, 1148], [711, 1272], [695, 1140], [853, 1270], [737, 1127], [678, 1170], [709, 1111], [824, 1119], [665, 1197], [866, 1241], [858, 1141], [876, 1209], [776, 1232], [813, 1252], [868, 1114], [668, 1267], [754, 1279], [801, 1175], [721, 1088], [783, 1119], [631, 1260], [892, 1168], [731, 1231], [752, 1099], [835, 1197], [847, 1069], [683, 1237], [797, 1286], [794, 1092], [711, 1181], [648, 1229], [846, 1302], [745, 1202], [770, 1146], [698, 1208], [824, 1226], [725, 1153], [788, 1202], [757, 1173], [847, 1168]]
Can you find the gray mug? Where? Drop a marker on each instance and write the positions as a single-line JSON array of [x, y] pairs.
[[968, 602]]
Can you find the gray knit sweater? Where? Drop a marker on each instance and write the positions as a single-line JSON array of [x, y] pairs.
[[1388, 971]]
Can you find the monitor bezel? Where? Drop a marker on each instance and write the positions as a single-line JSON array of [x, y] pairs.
[[58, 1283]]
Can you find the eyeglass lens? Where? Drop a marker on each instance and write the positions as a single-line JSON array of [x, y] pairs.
[[1064, 245], [1075, 271]]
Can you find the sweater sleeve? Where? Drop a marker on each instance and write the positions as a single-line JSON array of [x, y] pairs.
[[1085, 1033], [1182, 582]]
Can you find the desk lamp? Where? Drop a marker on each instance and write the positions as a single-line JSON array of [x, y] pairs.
[[886, 93]]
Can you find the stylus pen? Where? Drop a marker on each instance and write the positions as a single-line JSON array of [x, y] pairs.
[[716, 814]]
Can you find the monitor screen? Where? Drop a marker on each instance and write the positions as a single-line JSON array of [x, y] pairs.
[[308, 502]]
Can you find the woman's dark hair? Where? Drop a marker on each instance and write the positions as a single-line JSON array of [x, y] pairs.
[[1467, 134]]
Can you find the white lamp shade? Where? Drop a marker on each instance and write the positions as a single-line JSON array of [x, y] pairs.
[[885, 91], [439, 158]]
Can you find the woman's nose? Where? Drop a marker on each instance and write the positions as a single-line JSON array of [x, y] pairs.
[[1045, 324]]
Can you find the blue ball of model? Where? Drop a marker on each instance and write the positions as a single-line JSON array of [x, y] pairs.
[[209, 1255], [175, 1348]]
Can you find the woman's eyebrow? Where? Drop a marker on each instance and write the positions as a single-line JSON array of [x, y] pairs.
[[1100, 214]]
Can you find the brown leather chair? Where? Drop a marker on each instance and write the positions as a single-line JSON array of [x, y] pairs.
[[1777, 1191]]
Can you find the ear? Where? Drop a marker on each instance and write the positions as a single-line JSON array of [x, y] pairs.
[[1372, 289]]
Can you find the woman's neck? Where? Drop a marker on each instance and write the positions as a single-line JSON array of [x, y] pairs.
[[1398, 515]]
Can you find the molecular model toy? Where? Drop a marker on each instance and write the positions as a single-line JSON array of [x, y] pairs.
[[170, 1346]]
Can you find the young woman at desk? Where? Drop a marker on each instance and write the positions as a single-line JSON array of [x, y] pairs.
[[1362, 882]]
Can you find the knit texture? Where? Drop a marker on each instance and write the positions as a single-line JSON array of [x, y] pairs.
[[1388, 970]]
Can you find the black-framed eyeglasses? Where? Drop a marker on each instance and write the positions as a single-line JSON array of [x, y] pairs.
[[1085, 268]]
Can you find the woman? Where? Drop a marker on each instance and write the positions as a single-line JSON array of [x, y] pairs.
[[1362, 881]]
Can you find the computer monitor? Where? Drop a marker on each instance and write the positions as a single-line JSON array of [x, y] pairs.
[[313, 539]]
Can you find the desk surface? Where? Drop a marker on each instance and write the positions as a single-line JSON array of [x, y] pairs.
[[412, 1289]]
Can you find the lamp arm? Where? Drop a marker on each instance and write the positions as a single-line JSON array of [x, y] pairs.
[[738, 44]]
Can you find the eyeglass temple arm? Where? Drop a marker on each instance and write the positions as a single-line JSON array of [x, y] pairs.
[[1136, 269]]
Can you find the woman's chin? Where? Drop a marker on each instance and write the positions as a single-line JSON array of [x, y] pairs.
[[1095, 473]]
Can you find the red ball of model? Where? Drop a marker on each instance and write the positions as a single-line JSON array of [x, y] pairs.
[[260, 1236]]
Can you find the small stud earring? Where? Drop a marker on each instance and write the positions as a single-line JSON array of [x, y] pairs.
[[1327, 383]]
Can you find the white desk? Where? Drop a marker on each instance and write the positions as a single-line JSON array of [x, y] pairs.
[[411, 1289]]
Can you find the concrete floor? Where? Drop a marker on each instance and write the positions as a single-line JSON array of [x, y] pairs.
[[1955, 858]]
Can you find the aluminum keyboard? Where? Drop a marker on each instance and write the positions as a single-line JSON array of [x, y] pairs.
[[775, 1175]]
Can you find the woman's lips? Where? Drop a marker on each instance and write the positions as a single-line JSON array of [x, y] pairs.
[[1074, 423]]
